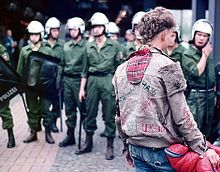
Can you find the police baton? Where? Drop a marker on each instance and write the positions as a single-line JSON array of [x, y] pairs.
[[60, 109], [82, 110]]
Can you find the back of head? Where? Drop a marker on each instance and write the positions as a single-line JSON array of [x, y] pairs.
[[154, 22]]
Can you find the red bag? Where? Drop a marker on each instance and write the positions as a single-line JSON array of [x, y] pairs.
[[182, 159]]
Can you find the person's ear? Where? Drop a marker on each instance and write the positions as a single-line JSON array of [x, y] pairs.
[[163, 35]]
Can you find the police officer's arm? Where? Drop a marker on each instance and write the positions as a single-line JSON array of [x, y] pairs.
[[82, 92], [21, 62], [122, 54], [189, 65], [119, 56], [60, 70], [206, 51]]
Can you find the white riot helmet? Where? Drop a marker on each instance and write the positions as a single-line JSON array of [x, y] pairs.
[[136, 19], [202, 25], [99, 19], [36, 27], [112, 28], [76, 23], [52, 23]]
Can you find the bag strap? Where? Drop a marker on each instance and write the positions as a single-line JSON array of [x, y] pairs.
[[117, 99]]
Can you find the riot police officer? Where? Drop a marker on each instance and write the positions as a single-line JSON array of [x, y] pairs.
[[136, 44], [37, 105], [176, 47], [113, 32], [74, 75], [52, 29], [5, 112], [198, 68], [101, 64]]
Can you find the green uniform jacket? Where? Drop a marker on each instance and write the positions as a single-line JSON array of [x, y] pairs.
[[122, 53], [105, 59], [74, 61], [57, 49], [130, 48], [177, 53], [5, 112], [57, 52], [190, 59], [23, 57]]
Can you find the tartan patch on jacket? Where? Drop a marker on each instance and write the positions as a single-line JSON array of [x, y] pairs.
[[137, 65]]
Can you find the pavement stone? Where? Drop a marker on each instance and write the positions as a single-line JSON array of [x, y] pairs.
[[39, 156], [67, 161]]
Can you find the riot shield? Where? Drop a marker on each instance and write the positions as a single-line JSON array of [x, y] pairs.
[[9, 82], [40, 74]]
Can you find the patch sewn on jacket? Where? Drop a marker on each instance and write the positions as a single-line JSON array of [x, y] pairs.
[[137, 65], [173, 78]]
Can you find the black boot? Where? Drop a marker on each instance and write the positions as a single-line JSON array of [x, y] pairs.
[[11, 139], [32, 137], [103, 134], [69, 139], [48, 137], [109, 152], [39, 128], [54, 125], [87, 146]]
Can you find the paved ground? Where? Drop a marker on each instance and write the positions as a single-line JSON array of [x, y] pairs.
[[42, 157]]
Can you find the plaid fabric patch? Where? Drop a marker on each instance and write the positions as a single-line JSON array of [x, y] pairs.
[[137, 65]]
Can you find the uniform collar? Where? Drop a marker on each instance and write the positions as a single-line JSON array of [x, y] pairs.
[[80, 43], [30, 48], [194, 50], [107, 42]]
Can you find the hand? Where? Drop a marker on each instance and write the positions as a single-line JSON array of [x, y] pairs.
[[5, 57], [82, 95], [128, 158], [213, 158], [207, 49], [15, 44]]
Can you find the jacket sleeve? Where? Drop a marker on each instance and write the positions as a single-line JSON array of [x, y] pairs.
[[21, 61], [175, 84], [118, 118], [189, 65]]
